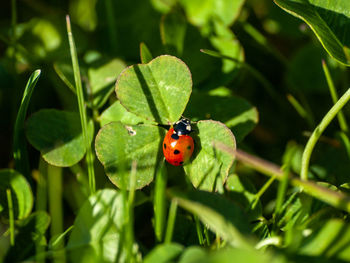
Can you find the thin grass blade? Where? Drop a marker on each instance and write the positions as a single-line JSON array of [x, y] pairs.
[[20, 154]]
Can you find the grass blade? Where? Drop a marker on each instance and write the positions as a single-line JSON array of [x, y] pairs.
[[82, 109], [171, 221], [20, 154]]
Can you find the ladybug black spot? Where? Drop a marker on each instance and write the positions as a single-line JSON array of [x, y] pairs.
[[175, 136], [176, 152], [189, 147], [181, 162], [164, 145]]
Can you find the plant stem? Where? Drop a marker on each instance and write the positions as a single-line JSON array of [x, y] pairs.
[[82, 109], [342, 122], [171, 221], [318, 131], [336, 199], [130, 213], [11, 217], [261, 192], [160, 202], [199, 230], [41, 201], [54, 177]]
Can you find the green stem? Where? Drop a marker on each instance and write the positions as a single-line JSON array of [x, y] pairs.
[[336, 199], [342, 122], [318, 131], [261, 192], [130, 213], [82, 109], [206, 233], [171, 221], [199, 230], [160, 202], [41, 202], [11, 217], [54, 177]]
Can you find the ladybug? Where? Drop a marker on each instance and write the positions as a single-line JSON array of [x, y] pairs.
[[178, 145]]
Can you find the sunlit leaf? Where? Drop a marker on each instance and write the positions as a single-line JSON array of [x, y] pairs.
[[118, 145], [330, 21], [158, 91], [97, 235], [213, 156]]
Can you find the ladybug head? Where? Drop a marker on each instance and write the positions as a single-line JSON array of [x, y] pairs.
[[183, 127]]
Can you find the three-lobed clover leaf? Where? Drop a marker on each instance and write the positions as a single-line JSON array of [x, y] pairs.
[[131, 141]]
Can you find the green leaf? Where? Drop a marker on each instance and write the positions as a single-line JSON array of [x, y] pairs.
[[163, 6], [117, 145], [228, 45], [21, 192], [237, 114], [57, 135], [84, 13], [213, 155], [145, 54], [116, 112], [101, 80], [97, 235], [330, 241], [31, 234], [19, 145], [193, 254], [221, 216], [158, 91], [201, 12], [173, 30], [229, 255], [241, 190], [164, 253], [330, 21]]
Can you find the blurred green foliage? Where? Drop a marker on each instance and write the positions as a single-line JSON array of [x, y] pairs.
[[262, 55]]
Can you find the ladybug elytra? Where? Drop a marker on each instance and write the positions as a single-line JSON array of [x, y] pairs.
[[178, 145]]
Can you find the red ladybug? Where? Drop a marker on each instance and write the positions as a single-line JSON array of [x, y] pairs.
[[178, 145]]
